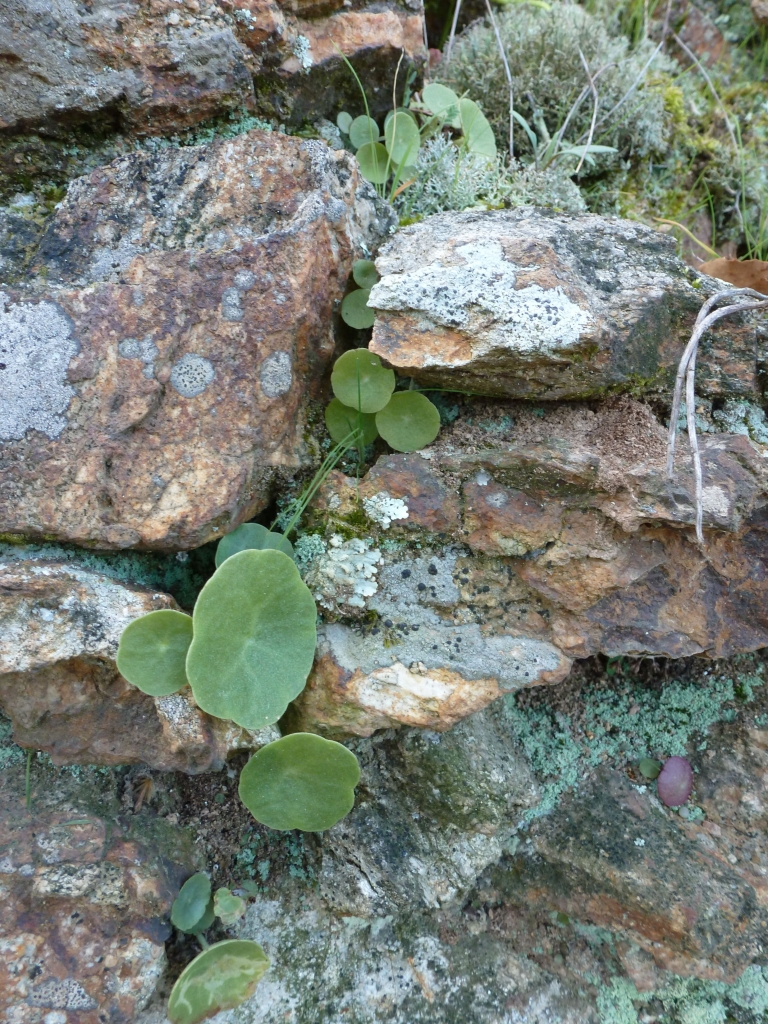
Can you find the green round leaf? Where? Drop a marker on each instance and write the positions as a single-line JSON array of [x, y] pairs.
[[409, 422], [343, 121], [477, 131], [190, 905], [364, 273], [152, 652], [402, 139], [363, 130], [341, 420], [251, 536], [220, 978], [361, 382], [228, 907], [442, 101], [374, 163], [649, 768], [300, 781], [254, 639], [355, 310]]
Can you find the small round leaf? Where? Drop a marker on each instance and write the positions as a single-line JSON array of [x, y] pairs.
[[442, 101], [355, 310], [409, 422], [363, 130], [341, 421], [402, 139], [152, 652], [343, 121], [190, 905], [375, 165], [228, 907], [361, 382], [364, 273], [300, 781], [251, 536], [649, 768], [220, 978], [477, 131], [254, 639]]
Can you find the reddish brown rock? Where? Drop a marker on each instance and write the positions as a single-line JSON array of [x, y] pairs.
[[59, 684], [531, 304], [161, 355], [692, 894], [83, 917], [159, 66], [506, 557]]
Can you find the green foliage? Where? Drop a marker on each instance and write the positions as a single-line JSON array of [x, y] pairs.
[[364, 273], [251, 537], [408, 422], [228, 907], [355, 310], [153, 650], [374, 163], [649, 768], [341, 421], [300, 781], [362, 131], [254, 639], [220, 978], [359, 381], [192, 908]]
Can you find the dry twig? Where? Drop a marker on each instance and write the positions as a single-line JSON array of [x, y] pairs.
[[452, 36], [686, 372], [508, 73]]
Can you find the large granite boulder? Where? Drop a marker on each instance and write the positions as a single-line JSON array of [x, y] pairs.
[[522, 539], [158, 66], [531, 304], [60, 686], [174, 318]]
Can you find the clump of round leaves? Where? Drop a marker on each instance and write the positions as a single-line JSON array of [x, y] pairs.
[[251, 536], [649, 768], [363, 130], [153, 650], [408, 422], [361, 382], [300, 781], [220, 978], [374, 162], [228, 907], [364, 273], [355, 310], [254, 639], [191, 906], [344, 120], [402, 138], [675, 782], [341, 421], [442, 101]]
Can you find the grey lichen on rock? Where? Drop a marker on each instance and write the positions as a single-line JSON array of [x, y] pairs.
[[37, 344]]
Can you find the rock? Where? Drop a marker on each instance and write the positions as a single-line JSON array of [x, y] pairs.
[[531, 304], [160, 67], [759, 10], [83, 918], [163, 348], [543, 536], [60, 686], [691, 893]]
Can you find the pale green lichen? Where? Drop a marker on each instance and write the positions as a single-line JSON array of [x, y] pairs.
[[619, 726]]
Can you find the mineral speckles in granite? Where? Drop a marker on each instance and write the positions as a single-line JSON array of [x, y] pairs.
[[36, 348]]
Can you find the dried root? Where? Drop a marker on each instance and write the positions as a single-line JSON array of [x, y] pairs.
[[686, 371]]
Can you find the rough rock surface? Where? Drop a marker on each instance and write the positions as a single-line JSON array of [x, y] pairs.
[[157, 66], [59, 684], [530, 539], [531, 304], [83, 916], [177, 311]]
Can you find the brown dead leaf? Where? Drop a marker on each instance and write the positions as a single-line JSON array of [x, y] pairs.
[[741, 273]]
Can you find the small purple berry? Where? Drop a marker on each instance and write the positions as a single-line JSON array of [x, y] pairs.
[[675, 781]]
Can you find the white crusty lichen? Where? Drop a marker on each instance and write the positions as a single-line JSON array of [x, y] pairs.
[[302, 50], [36, 348], [382, 508], [343, 574]]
